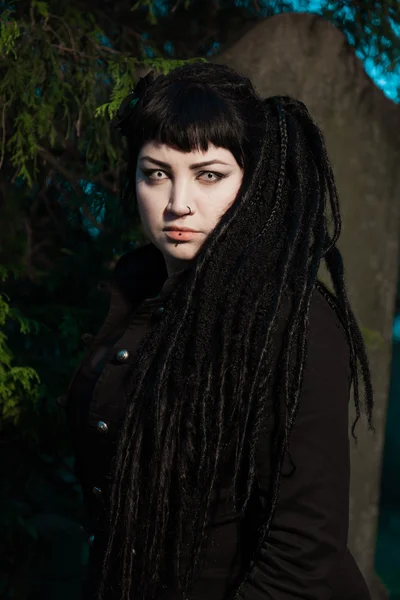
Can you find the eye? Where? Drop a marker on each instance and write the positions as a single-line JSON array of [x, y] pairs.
[[154, 174], [211, 176]]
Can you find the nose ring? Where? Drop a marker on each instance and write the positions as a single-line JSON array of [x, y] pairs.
[[189, 213]]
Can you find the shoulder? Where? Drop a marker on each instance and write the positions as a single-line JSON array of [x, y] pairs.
[[325, 321], [328, 351], [327, 345], [326, 326], [321, 423]]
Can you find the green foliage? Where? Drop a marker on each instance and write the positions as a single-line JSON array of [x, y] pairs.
[[40, 500], [150, 7], [42, 8], [123, 84], [19, 389], [9, 34], [66, 68]]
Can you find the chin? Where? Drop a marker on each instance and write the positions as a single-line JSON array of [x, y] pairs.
[[181, 251]]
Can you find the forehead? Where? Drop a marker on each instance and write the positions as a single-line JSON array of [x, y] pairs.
[[170, 154]]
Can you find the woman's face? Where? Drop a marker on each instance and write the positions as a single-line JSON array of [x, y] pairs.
[[168, 182]]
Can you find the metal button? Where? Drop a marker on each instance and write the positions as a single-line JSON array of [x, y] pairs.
[[122, 355], [97, 492], [91, 540], [134, 552], [102, 427]]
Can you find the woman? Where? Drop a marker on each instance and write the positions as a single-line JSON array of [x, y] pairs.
[[210, 413]]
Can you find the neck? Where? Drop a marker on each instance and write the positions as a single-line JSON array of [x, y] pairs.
[[175, 266]]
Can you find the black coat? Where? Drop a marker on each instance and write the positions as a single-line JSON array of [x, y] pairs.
[[305, 555]]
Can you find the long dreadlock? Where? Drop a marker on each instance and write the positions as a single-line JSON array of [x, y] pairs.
[[207, 378]]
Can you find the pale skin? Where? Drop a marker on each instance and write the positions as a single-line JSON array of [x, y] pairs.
[[168, 181]]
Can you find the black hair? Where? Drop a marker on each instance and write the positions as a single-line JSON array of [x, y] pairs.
[[179, 110], [211, 374]]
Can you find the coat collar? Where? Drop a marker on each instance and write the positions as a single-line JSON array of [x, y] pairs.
[[139, 275]]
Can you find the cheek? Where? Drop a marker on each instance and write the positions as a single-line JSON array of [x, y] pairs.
[[145, 204], [225, 197]]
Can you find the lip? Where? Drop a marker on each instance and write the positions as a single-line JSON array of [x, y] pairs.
[[184, 234], [181, 229]]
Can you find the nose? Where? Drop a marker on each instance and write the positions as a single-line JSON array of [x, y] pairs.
[[179, 202]]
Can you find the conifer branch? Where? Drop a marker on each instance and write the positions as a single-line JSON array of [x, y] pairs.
[[72, 179], [3, 126], [73, 51]]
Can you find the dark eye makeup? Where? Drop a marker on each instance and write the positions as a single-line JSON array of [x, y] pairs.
[[149, 172]]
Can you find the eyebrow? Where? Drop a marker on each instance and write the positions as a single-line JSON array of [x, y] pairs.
[[205, 163]]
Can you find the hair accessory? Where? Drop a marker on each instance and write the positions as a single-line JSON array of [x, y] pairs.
[[129, 102]]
